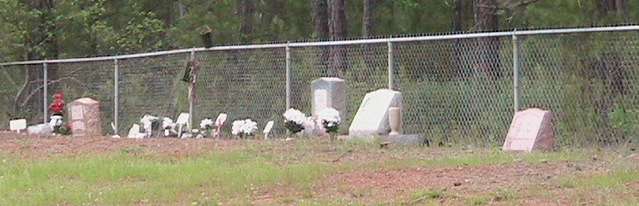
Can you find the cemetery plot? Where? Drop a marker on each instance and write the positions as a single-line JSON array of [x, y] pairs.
[[299, 172]]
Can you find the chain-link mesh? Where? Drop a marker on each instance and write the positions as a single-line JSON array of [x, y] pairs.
[[248, 83], [454, 90], [590, 80], [85, 79], [151, 85], [21, 96]]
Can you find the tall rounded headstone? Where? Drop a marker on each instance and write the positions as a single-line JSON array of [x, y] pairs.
[[84, 117], [328, 92]]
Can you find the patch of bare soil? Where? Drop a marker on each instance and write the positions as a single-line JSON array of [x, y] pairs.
[[43, 147], [398, 185]]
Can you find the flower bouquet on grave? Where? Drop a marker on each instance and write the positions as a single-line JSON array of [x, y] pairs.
[[243, 128], [330, 120], [294, 120], [206, 127], [169, 127]]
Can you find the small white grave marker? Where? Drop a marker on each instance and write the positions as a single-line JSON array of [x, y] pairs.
[[182, 121], [219, 123], [268, 128], [530, 129], [135, 133], [18, 125]]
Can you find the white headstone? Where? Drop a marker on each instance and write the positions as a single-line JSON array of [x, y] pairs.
[[372, 116], [135, 133], [268, 128], [328, 92], [183, 119], [18, 125], [530, 130], [40, 129], [221, 119]]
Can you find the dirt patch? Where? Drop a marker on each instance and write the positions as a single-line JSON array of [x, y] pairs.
[[458, 183], [44, 147]]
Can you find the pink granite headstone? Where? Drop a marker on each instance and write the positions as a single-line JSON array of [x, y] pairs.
[[84, 117], [531, 129]]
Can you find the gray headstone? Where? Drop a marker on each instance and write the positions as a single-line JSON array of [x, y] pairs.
[[530, 130], [372, 116], [328, 92]]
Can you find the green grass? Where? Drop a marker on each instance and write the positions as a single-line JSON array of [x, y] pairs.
[[482, 157], [427, 197], [613, 180], [237, 176], [124, 179]]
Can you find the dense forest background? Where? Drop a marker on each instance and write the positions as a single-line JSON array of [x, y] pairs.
[[39, 29]]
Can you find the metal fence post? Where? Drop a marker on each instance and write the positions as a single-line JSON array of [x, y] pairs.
[[191, 85], [116, 96], [515, 71], [288, 76], [45, 88], [390, 65]]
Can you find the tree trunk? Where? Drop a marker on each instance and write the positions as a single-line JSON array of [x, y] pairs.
[[320, 19], [337, 28], [247, 20], [486, 19], [616, 8], [41, 43], [463, 14], [368, 19]]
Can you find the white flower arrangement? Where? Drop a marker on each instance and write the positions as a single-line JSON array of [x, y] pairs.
[[147, 124], [294, 120], [169, 127], [206, 126], [329, 118], [243, 128]]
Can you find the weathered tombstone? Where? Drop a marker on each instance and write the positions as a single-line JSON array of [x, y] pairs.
[[84, 118], [268, 128], [329, 92], [530, 130], [18, 125], [372, 116]]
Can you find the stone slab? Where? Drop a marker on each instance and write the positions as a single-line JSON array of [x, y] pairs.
[[40, 130], [85, 117], [328, 92], [405, 139], [372, 116], [531, 129]]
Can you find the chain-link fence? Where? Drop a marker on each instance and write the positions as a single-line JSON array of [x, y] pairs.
[[460, 88]]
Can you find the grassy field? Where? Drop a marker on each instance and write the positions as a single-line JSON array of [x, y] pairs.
[[309, 172]]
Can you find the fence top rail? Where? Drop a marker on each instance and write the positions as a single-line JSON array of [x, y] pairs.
[[337, 43]]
